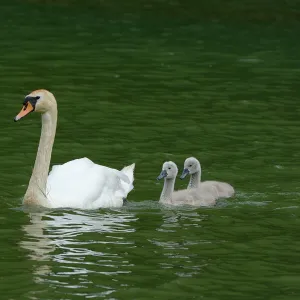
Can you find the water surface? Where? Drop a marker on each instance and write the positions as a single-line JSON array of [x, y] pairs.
[[136, 85]]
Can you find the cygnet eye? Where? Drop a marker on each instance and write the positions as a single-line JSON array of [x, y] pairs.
[[190, 165], [169, 168]]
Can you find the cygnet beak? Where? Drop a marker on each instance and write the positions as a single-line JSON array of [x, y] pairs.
[[162, 174], [184, 173]]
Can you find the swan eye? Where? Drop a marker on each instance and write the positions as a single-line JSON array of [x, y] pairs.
[[31, 99], [169, 168], [190, 165]]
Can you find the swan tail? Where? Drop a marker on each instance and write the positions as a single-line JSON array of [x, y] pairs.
[[124, 178], [129, 173]]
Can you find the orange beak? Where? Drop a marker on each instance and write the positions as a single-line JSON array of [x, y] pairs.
[[27, 108]]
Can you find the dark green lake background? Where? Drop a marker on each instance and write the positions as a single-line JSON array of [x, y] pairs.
[[146, 82]]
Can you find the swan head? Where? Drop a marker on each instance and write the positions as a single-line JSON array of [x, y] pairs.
[[169, 170], [191, 166], [37, 101]]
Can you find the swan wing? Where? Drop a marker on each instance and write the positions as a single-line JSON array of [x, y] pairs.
[[81, 183], [225, 190]]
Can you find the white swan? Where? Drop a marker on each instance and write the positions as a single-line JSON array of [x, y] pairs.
[[192, 167], [202, 196], [79, 183]]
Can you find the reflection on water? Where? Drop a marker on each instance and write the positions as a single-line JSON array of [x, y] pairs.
[[38, 244], [71, 239], [102, 251], [124, 253], [174, 250]]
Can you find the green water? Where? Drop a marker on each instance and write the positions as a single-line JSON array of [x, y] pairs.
[[147, 83]]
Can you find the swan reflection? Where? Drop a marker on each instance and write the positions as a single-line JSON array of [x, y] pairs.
[[74, 242]]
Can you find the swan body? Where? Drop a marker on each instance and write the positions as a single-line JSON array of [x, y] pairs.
[[201, 196], [79, 183], [192, 167], [103, 186]]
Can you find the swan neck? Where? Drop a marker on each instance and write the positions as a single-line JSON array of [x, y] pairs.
[[36, 191], [195, 180], [168, 189]]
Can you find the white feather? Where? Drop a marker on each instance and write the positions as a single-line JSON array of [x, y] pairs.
[[80, 183]]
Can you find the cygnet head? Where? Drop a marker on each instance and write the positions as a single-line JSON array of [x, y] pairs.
[[191, 166], [37, 101], [169, 170]]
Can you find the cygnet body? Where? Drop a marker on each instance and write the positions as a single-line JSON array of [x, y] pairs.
[[202, 196], [192, 167]]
